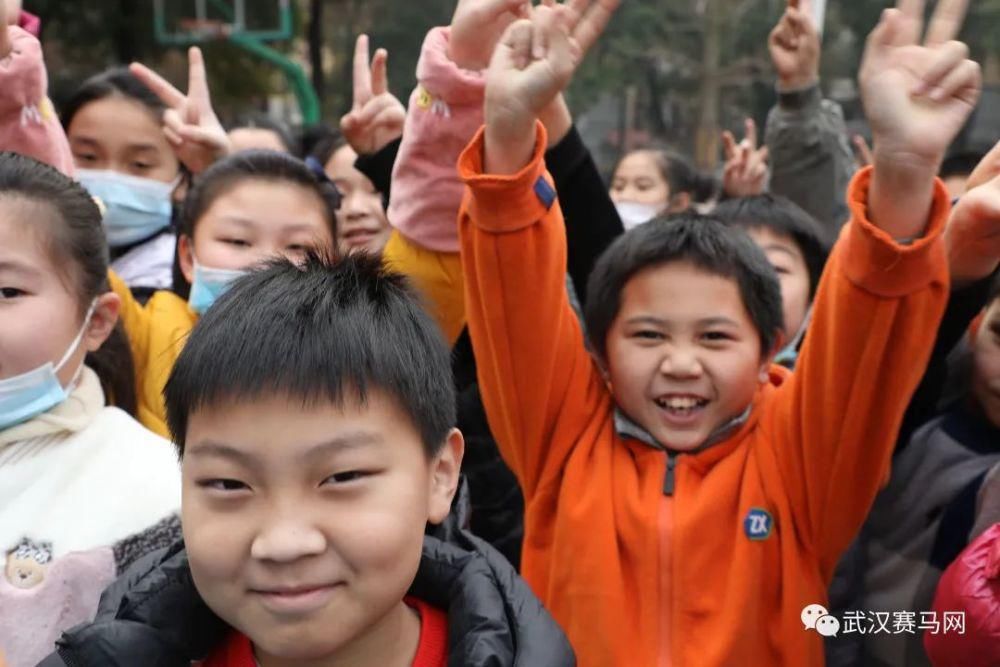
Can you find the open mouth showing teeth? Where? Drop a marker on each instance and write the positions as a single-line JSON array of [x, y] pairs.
[[681, 405]]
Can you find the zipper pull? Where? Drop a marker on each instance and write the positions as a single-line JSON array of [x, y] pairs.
[[668, 478]]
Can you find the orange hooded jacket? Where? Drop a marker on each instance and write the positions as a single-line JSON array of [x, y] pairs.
[[711, 562]]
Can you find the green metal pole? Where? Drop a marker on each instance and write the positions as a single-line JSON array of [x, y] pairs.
[[297, 79]]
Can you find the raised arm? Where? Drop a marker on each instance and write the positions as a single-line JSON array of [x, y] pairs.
[[28, 122], [811, 161], [536, 377], [885, 288]]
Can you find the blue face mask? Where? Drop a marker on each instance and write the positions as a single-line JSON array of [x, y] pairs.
[[790, 353], [208, 285], [136, 208], [30, 394]]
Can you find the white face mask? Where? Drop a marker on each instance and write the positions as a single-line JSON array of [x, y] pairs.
[[30, 394], [634, 214]]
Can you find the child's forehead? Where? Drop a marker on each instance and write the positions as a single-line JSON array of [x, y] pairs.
[[279, 424], [27, 232], [682, 289]]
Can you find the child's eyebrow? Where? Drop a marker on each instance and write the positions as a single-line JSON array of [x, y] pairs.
[[17, 267], [209, 449], [781, 247], [718, 321], [240, 220], [143, 148], [77, 139], [350, 440], [705, 322]]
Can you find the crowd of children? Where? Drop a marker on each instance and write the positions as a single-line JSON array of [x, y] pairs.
[[427, 389]]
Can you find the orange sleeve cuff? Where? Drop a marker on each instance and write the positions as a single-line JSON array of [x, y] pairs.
[[501, 204], [877, 263]]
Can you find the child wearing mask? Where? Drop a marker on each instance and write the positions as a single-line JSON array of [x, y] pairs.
[[651, 182], [132, 140], [122, 157], [686, 498], [242, 210], [84, 488]]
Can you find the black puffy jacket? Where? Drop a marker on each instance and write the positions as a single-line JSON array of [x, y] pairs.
[[153, 616]]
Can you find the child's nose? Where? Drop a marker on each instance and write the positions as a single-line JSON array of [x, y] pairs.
[[681, 362], [286, 539]]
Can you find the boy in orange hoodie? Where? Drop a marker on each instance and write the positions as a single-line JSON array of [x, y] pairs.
[[686, 500]]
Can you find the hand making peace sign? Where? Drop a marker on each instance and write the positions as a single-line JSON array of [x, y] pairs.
[[190, 123], [377, 116]]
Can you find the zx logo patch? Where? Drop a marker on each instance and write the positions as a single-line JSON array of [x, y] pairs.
[[759, 524]]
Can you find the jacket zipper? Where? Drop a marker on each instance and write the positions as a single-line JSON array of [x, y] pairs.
[[669, 475]]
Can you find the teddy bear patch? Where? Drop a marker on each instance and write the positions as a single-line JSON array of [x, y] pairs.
[[27, 563]]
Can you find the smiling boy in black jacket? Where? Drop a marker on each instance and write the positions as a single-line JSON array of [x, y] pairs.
[[313, 410]]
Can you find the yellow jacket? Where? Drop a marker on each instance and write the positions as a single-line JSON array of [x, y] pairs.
[[156, 334]]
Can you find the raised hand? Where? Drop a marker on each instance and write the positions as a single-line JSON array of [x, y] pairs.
[[190, 123], [377, 117], [973, 232], [917, 96], [795, 47], [531, 65], [476, 28], [745, 173]]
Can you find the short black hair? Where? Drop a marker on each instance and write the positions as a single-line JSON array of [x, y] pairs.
[[317, 331], [688, 237], [322, 151], [782, 216]]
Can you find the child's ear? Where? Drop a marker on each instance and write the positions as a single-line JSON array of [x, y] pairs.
[[679, 202], [185, 256], [445, 469], [102, 321], [778, 345]]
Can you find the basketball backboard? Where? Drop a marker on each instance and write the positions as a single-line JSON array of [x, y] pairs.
[[195, 21]]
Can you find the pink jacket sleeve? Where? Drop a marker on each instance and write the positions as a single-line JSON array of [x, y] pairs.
[[445, 111], [28, 121]]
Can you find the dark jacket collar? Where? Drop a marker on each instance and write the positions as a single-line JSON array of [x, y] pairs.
[[153, 615]]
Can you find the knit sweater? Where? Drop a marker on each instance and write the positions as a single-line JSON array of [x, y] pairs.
[[84, 491]]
